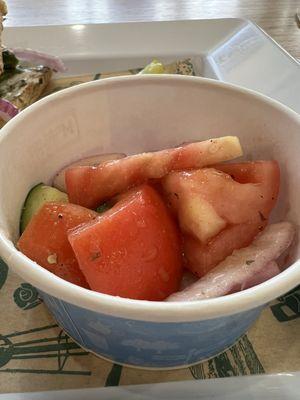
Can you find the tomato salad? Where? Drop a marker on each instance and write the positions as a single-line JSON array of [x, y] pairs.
[[179, 224]]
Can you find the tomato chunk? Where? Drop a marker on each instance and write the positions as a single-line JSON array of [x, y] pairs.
[[201, 258], [89, 186], [266, 174], [254, 172], [133, 250], [221, 209], [207, 200], [45, 239]]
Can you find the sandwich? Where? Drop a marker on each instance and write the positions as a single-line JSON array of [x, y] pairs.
[[24, 75]]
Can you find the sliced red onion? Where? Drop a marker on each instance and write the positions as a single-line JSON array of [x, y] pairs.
[[7, 110], [187, 279], [59, 179], [39, 58]]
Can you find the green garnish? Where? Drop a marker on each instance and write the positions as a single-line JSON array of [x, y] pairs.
[[11, 68], [155, 67], [10, 61]]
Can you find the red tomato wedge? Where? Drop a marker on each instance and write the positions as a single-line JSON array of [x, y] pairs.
[[221, 209], [45, 239], [133, 250], [201, 258], [206, 200], [254, 172], [89, 186]]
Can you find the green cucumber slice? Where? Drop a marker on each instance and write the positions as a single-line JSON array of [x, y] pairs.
[[36, 198]]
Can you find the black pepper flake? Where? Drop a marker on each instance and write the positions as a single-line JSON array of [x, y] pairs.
[[248, 262], [41, 81], [176, 195], [262, 217], [95, 256], [261, 196], [60, 216], [261, 228], [273, 198]]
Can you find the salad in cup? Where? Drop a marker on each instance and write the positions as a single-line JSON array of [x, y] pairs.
[[180, 224]]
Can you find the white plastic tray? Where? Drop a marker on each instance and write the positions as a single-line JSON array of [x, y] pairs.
[[231, 50], [262, 387]]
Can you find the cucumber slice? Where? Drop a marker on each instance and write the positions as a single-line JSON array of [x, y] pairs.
[[36, 198]]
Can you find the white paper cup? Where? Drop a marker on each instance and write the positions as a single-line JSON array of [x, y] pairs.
[[130, 115]]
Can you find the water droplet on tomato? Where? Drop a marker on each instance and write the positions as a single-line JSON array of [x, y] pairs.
[[123, 252], [133, 232], [141, 223], [150, 253]]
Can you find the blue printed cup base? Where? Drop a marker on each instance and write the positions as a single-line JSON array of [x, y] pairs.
[[149, 345]]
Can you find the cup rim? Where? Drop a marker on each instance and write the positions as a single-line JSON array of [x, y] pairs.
[[142, 309]]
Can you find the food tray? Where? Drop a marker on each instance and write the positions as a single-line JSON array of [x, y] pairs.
[[231, 50]]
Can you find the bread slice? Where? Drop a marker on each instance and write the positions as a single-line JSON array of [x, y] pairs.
[[20, 84], [24, 86]]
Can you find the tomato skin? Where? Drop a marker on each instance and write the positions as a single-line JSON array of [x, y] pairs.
[[46, 236], [133, 250]]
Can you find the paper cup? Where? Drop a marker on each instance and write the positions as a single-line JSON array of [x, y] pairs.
[[131, 115]]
